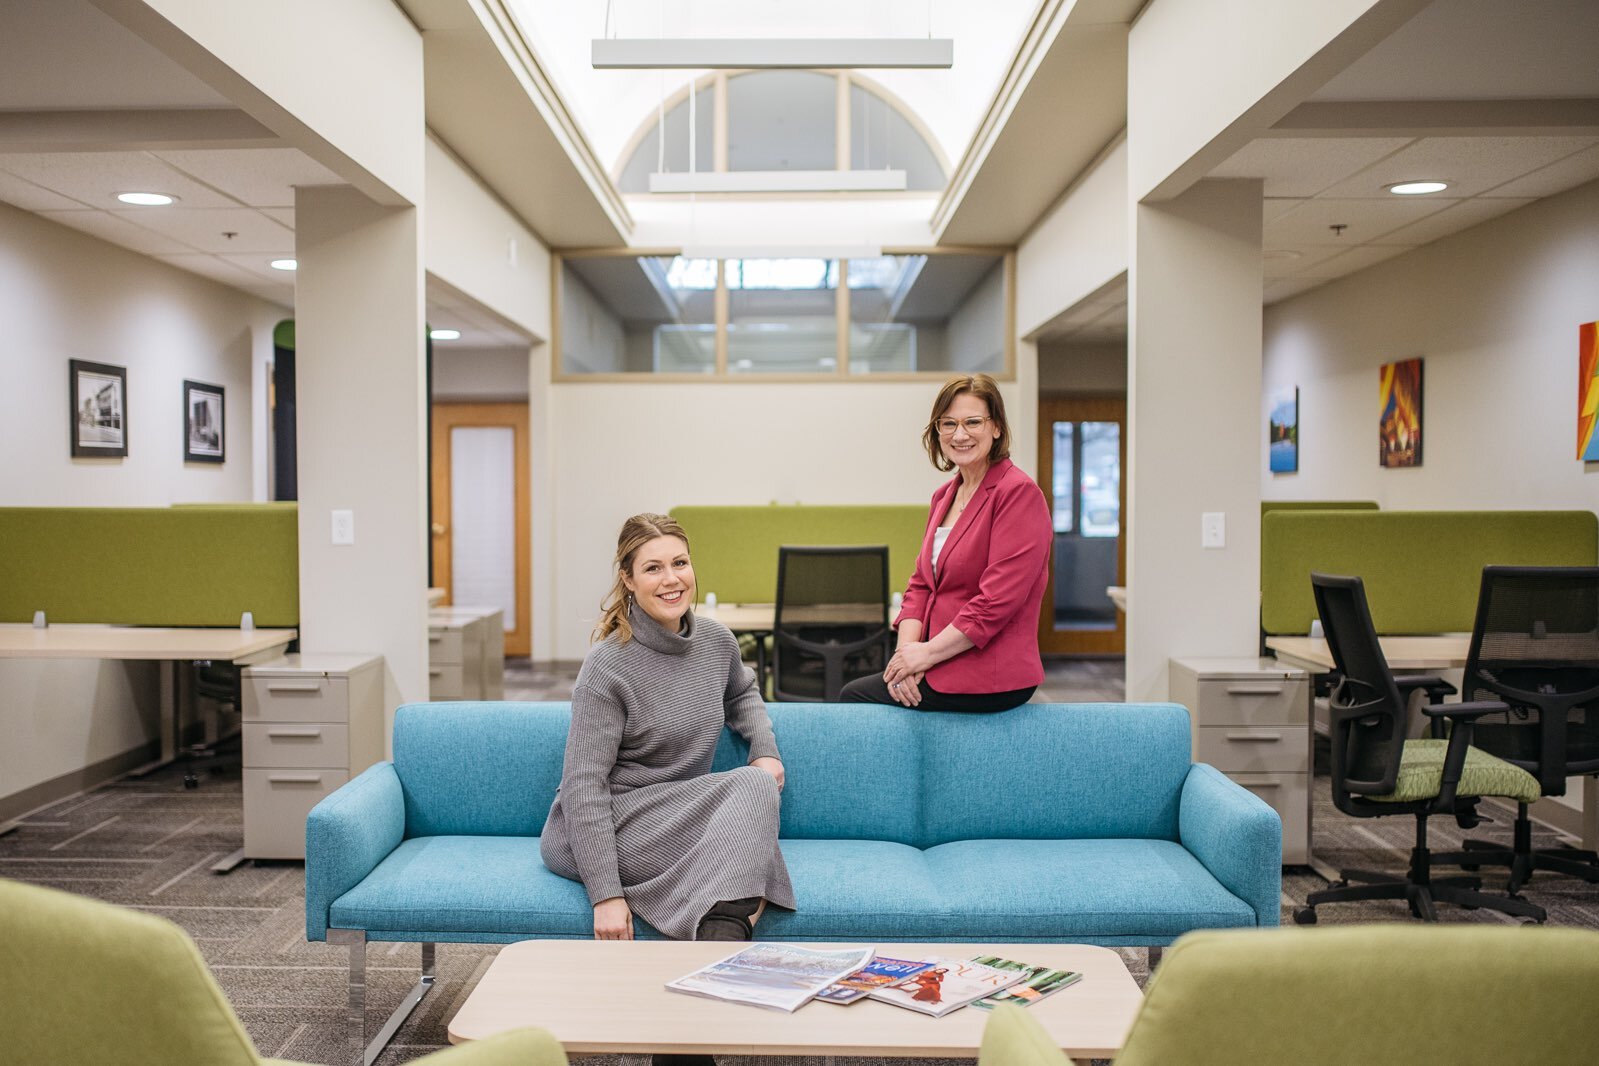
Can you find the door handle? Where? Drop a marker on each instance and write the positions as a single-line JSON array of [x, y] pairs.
[[439, 529]]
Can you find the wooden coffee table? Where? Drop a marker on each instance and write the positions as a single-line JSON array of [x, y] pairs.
[[608, 997]]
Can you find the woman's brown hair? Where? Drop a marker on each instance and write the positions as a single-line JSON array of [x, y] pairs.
[[984, 388], [636, 532]]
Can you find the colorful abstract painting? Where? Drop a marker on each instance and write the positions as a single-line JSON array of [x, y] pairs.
[[1399, 424], [1282, 430], [1587, 391]]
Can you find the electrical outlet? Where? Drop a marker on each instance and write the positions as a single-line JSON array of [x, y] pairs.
[[344, 527], [1213, 529]]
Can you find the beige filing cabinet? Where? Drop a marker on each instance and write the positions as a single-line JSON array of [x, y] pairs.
[[311, 722], [1249, 721], [466, 653]]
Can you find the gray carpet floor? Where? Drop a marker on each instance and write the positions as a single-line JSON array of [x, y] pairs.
[[149, 843]]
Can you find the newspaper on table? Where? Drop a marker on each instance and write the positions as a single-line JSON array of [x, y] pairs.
[[779, 976]]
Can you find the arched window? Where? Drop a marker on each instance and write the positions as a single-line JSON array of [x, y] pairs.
[[784, 120]]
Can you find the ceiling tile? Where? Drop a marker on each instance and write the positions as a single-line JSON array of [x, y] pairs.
[[260, 266], [1453, 219], [1292, 261], [1276, 208], [1366, 220], [203, 229], [285, 215], [1282, 288], [1354, 259], [30, 197], [1304, 166], [95, 178], [108, 227], [1557, 177], [1471, 165], [260, 177], [211, 266]]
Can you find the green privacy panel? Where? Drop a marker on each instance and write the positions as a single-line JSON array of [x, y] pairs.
[[157, 566], [735, 548], [1317, 505], [1422, 569]]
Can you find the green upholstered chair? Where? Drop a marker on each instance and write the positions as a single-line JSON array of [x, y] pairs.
[[1423, 995], [83, 982], [1376, 772]]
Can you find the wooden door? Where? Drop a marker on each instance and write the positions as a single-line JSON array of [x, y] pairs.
[[482, 544], [1082, 451]]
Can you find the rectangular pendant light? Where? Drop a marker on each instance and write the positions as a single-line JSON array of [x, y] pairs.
[[684, 53], [779, 181]]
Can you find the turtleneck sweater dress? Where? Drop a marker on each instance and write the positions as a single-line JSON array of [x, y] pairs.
[[638, 813]]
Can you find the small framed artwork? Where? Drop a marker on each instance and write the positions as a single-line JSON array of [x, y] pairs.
[[1587, 391], [99, 414], [1399, 417], [1282, 430], [203, 410]]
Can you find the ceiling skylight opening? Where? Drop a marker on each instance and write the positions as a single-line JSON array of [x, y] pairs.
[[146, 199], [1417, 188]]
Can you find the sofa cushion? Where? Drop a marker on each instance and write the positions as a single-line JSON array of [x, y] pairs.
[[1063, 889], [867, 889], [479, 769], [488, 889]]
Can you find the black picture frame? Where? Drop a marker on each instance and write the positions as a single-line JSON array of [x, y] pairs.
[[205, 438], [97, 409]]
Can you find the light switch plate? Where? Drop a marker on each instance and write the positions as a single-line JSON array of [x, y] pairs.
[[344, 527], [1213, 529]]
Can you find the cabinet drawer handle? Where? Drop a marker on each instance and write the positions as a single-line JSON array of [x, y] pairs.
[[294, 732], [435, 673], [1259, 784], [435, 639], [1254, 690], [1256, 738], [295, 779], [294, 686]]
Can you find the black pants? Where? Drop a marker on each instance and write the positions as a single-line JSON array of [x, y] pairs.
[[873, 689]]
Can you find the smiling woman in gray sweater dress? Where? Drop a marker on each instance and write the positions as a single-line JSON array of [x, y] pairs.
[[639, 819]]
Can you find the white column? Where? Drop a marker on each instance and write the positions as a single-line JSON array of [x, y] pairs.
[[1194, 430], [361, 414]]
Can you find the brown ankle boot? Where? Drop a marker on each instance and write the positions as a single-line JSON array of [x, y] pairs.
[[729, 920]]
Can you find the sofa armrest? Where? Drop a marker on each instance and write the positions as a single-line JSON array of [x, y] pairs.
[[1237, 836], [346, 835]]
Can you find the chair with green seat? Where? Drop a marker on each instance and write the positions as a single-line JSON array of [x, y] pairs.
[[1377, 773], [1438, 995], [84, 982]]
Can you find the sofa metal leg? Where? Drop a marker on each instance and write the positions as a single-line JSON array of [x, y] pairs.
[[1154, 957], [361, 1052]]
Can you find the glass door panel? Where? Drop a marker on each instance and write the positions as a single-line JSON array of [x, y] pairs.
[[1081, 453]]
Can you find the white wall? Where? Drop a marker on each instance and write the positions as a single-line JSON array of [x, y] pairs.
[[626, 448], [1078, 247], [479, 375], [65, 295], [592, 340], [977, 328]]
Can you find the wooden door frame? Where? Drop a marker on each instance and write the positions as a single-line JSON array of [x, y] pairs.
[[447, 416], [1080, 407]]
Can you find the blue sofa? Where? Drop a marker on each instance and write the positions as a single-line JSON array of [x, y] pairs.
[[1083, 823]]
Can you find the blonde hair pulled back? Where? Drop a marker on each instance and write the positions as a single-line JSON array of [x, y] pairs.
[[636, 532]]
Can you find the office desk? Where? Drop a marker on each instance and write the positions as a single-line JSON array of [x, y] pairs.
[[166, 646], [760, 619], [1445, 651]]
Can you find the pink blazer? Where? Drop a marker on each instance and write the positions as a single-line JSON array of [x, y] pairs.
[[989, 582]]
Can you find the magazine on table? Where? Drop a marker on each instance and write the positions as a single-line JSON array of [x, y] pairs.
[[1037, 982], [948, 984], [779, 976], [875, 974]]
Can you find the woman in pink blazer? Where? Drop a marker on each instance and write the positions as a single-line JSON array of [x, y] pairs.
[[968, 630]]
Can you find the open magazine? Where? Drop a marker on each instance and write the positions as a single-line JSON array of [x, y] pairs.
[[780, 976], [875, 974], [949, 984], [1036, 983]]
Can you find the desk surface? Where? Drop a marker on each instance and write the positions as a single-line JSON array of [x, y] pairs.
[[140, 642], [762, 617], [573, 989], [1446, 651]]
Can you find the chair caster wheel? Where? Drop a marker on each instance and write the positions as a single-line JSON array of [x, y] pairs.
[[190, 781], [1305, 916]]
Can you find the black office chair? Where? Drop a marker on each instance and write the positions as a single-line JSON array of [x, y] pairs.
[[219, 681], [1535, 646], [831, 623], [1376, 772]]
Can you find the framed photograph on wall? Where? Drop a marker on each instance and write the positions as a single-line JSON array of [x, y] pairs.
[[99, 409], [1399, 417], [1282, 430], [203, 410]]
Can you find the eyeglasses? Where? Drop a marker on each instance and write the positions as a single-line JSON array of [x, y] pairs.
[[946, 426]]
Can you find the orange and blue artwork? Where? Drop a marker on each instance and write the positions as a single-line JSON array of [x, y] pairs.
[[1399, 424], [1587, 391]]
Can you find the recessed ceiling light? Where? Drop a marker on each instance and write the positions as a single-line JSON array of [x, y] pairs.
[[284, 264], [1417, 188], [146, 199], [445, 334]]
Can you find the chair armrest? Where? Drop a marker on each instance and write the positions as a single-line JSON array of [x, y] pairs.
[[519, 1047], [346, 835], [1434, 685], [1465, 711], [1236, 836]]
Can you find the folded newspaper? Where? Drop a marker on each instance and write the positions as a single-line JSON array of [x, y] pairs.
[[779, 976]]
